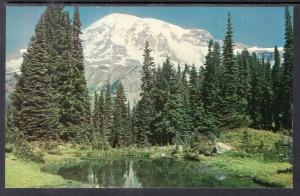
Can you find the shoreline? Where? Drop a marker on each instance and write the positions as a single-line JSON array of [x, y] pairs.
[[264, 173]]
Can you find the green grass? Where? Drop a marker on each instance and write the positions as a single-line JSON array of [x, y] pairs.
[[21, 174], [252, 165], [263, 172]]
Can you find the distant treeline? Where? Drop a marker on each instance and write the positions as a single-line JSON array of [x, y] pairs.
[[177, 105]]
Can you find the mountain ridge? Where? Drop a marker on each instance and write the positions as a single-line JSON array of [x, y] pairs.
[[113, 50]]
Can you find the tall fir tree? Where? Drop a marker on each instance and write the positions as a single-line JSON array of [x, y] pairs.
[[287, 79], [134, 127], [158, 100], [38, 114], [82, 102], [129, 126], [96, 112], [163, 119], [255, 92], [267, 95], [209, 81], [276, 86], [195, 96], [145, 107], [120, 119], [210, 88], [148, 69], [232, 107], [243, 62], [177, 115], [61, 69], [107, 115], [13, 126]]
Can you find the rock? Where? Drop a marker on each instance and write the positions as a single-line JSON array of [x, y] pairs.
[[220, 148]]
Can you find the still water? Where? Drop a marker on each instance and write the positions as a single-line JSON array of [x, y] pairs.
[[139, 173]]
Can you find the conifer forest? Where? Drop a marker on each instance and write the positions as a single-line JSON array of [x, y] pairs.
[[233, 114]]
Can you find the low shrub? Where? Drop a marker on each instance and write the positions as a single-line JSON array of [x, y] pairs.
[[200, 144], [8, 148], [51, 147], [26, 151], [283, 150]]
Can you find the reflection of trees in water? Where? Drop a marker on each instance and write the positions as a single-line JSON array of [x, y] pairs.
[[92, 178], [111, 173], [117, 173], [78, 172], [167, 172], [159, 173], [136, 173], [131, 179]]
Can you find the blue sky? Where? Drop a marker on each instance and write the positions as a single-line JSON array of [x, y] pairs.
[[254, 26]]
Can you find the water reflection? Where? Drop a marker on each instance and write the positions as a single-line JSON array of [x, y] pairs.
[[131, 180], [138, 173]]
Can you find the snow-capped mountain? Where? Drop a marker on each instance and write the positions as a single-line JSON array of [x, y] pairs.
[[113, 49]]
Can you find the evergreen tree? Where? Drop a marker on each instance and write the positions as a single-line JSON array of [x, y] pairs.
[[216, 55], [178, 114], [232, 106], [287, 87], [96, 112], [211, 88], [209, 82], [194, 95], [11, 130], [158, 100], [147, 70], [59, 60], [261, 84], [107, 115], [267, 94], [82, 102], [16, 96], [101, 106], [243, 62], [120, 119], [134, 121], [276, 86], [255, 91], [38, 115], [163, 119], [129, 126], [145, 107], [143, 120]]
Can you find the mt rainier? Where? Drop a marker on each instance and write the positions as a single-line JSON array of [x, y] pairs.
[[113, 50]]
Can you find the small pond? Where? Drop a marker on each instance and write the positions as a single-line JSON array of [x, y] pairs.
[[139, 173]]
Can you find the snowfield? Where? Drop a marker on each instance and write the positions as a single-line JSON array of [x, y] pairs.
[[113, 49]]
